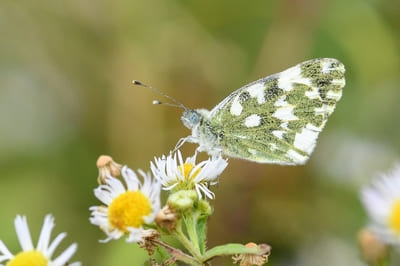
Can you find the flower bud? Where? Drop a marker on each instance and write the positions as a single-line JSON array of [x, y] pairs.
[[166, 218], [205, 208], [259, 259], [182, 200], [372, 249], [107, 167]]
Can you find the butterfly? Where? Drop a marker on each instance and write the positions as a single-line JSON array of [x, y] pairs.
[[276, 119]]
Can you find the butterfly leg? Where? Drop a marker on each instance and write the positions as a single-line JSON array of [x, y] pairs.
[[216, 153], [182, 141]]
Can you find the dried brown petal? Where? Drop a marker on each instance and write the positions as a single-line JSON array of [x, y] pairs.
[[253, 259], [107, 167]]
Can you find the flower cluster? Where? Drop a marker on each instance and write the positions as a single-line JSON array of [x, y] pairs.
[[131, 207]]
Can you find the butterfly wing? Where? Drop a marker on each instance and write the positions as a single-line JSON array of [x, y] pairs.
[[277, 119]]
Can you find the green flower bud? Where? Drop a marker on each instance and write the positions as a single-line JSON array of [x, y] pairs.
[[182, 200], [204, 207]]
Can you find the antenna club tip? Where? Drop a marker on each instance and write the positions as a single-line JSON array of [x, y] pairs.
[[136, 82], [155, 102]]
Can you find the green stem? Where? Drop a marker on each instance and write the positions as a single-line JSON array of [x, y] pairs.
[[178, 254], [186, 242], [191, 222]]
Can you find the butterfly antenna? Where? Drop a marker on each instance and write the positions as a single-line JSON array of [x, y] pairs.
[[177, 103], [157, 102]]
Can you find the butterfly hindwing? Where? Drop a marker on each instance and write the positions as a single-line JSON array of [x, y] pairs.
[[277, 119]]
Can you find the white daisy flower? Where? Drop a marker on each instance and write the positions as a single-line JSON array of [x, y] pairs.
[[128, 208], [175, 174], [382, 202], [41, 255]]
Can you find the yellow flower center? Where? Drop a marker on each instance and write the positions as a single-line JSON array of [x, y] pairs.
[[394, 218], [128, 210], [28, 258], [186, 170]]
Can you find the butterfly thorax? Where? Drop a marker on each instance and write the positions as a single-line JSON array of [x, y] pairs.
[[202, 133]]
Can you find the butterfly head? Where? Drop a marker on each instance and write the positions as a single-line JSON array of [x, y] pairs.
[[190, 118]]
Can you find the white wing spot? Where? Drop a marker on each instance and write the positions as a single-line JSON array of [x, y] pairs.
[[236, 107], [285, 125], [290, 76], [252, 151], [257, 91], [306, 140], [312, 127], [326, 67], [278, 133], [334, 95], [313, 94], [285, 113], [253, 120], [325, 109], [340, 82], [285, 79], [296, 157], [273, 146], [281, 101]]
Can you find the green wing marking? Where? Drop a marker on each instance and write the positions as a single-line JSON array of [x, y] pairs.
[[291, 108]]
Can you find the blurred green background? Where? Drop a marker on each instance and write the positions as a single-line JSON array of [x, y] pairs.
[[66, 97]]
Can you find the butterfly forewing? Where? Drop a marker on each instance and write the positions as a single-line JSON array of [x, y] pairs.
[[277, 119]]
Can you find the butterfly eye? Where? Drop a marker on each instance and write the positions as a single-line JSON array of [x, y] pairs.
[[194, 117], [190, 118]]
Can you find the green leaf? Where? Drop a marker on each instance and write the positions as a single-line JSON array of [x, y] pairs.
[[232, 249]]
